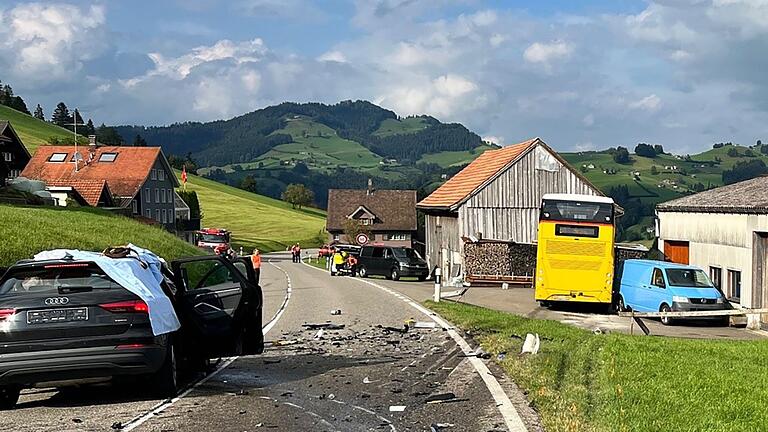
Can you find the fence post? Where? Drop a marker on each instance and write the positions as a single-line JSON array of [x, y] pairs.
[[438, 283]]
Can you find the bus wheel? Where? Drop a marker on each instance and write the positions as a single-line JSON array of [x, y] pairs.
[[545, 304], [666, 320]]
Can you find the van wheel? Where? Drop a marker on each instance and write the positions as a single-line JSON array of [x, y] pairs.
[[666, 320], [165, 380], [9, 395], [362, 271], [620, 306], [395, 275]]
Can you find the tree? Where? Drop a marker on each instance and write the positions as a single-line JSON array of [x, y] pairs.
[[621, 155], [645, 150], [659, 149], [249, 184], [76, 118], [298, 195], [190, 197], [732, 152], [39, 113], [654, 170], [745, 170], [139, 141], [749, 153], [353, 228], [764, 149], [61, 115], [89, 128], [109, 136]]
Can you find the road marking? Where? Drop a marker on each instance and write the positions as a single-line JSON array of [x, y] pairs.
[[507, 410], [162, 406]]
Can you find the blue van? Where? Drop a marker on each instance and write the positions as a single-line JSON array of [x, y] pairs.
[[658, 286]]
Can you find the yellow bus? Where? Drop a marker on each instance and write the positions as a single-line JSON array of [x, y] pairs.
[[574, 257]]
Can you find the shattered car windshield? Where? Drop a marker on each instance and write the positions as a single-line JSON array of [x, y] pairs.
[[688, 278]]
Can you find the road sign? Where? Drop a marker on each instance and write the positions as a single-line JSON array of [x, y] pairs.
[[362, 239]]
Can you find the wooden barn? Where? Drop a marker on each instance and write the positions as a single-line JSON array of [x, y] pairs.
[[495, 199]]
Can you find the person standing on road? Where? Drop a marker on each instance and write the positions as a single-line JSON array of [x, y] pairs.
[[293, 253], [256, 261], [298, 253]]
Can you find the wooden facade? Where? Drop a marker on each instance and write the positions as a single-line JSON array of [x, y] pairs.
[[504, 207]]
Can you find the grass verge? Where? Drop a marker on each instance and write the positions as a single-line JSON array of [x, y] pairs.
[[25, 231], [580, 381]]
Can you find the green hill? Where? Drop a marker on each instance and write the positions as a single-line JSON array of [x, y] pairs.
[[255, 220], [83, 228], [33, 132]]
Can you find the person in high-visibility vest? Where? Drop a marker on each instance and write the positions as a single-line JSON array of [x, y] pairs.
[[256, 261], [338, 261]]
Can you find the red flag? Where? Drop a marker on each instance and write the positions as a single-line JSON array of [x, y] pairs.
[[184, 174]]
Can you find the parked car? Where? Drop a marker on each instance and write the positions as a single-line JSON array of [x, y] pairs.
[[66, 322], [348, 248], [657, 286], [392, 262]]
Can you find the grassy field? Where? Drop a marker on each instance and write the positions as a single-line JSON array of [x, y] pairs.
[[255, 220], [581, 381], [33, 132], [454, 158], [26, 231], [404, 126]]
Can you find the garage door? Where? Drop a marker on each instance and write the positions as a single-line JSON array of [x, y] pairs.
[[676, 251]]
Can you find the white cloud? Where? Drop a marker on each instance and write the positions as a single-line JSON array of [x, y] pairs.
[[498, 140], [650, 103], [497, 39], [588, 120], [180, 67], [546, 53], [333, 56], [50, 42]]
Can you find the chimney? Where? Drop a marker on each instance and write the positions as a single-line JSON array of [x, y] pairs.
[[370, 187], [92, 140]]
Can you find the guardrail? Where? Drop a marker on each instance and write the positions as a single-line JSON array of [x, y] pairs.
[[636, 317]]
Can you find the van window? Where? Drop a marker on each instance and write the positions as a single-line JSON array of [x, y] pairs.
[[406, 253], [658, 279], [378, 253], [688, 278], [366, 252]]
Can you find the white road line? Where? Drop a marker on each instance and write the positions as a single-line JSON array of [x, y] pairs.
[[507, 410], [162, 406]]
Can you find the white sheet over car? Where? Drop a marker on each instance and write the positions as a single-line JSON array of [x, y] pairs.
[[130, 274]]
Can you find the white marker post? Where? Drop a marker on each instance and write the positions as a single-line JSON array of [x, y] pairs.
[[438, 283]]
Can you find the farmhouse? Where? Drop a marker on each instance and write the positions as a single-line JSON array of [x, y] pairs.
[[725, 232], [496, 197], [136, 179], [388, 215], [13, 155]]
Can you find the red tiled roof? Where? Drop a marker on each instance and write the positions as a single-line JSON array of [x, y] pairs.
[[482, 169], [124, 176], [90, 190]]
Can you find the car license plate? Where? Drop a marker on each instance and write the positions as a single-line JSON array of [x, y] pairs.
[[57, 315]]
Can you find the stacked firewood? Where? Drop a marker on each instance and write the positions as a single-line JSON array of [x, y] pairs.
[[499, 259]]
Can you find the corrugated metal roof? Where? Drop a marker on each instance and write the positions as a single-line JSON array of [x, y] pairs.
[[749, 196]]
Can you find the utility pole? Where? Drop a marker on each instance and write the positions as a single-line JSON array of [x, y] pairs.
[[74, 124]]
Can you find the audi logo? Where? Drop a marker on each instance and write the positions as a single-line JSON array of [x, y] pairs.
[[56, 301]]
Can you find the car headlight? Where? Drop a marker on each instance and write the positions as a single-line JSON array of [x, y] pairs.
[[404, 265], [720, 300], [680, 299]]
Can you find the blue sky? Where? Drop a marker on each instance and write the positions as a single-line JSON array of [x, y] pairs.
[[580, 74]]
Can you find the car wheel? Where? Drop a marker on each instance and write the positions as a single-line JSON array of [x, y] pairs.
[[422, 278], [395, 275], [9, 395], [165, 380], [362, 271], [666, 320]]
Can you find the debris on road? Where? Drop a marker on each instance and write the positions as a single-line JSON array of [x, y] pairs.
[[440, 397], [286, 342], [425, 324], [326, 326], [479, 354], [336, 312], [402, 330], [437, 427], [272, 361], [319, 334], [117, 426], [501, 356], [397, 408], [531, 344]]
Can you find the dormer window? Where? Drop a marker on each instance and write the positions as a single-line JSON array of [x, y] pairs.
[[366, 221], [107, 157], [58, 157], [363, 215]]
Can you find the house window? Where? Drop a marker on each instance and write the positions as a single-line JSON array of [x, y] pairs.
[[148, 213], [135, 207], [157, 196], [366, 221], [157, 215], [336, 237], [165, 216], [161, 175], [397, 236], [170, 196], [148, 195], [734, 285], [58, 157], [107, 157], [716, 275], [154, 174], [8, 157], [162, 196]]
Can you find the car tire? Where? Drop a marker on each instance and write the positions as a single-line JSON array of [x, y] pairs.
[[362, 271], [667, 321], [423, 278], [166, 380], [9, 395], [395, 274]]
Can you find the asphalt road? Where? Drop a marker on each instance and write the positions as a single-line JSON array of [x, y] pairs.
[[359, 378]]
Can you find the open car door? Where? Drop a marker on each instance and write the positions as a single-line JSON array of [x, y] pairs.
[[219, 308]]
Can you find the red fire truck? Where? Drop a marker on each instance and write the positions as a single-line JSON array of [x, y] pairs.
[[212, 237]]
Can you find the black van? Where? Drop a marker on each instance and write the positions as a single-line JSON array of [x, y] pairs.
[[392, 262]]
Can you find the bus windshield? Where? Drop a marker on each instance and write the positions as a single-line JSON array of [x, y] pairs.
[[577, 211]]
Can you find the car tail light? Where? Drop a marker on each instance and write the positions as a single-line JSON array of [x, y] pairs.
[[137, 306], [130, 346], [6, 313]]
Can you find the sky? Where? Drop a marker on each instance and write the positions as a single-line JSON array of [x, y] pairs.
[[581, 75]]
